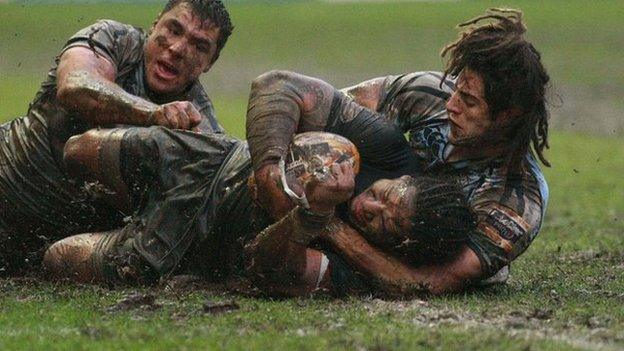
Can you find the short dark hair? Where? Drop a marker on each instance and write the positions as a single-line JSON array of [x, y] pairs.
[[441, 221], [512, 73], [215, 11]]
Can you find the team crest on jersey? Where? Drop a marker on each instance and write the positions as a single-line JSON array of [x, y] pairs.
[[507, 223]]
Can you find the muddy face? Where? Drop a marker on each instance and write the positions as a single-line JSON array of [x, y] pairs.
[[382, 212], [179, 48], [468, 111]]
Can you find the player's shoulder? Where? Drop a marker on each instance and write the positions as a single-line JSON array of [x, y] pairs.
[[424, 81], [115, 26]]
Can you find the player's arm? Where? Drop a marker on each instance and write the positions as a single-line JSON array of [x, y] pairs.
[[284, 103], [366, 93], [278, 259], [86, 84], [281, 103], [398, 278]]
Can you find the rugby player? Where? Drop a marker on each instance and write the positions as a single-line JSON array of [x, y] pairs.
[[196, 211], [484, 127], [107, 74]]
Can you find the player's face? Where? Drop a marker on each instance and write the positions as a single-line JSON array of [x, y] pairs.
[[179, 48], [382, 212], [468, 112]]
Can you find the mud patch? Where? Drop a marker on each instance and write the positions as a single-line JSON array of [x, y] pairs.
[[135, 301], [211, 307], [535, 323]]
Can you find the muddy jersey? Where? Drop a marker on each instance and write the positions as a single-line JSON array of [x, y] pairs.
[[122, 45], [38, 203], [510, 205]]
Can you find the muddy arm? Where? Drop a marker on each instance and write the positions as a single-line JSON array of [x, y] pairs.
[[86, 84], [281, 104], [395, 277], [278, 260]]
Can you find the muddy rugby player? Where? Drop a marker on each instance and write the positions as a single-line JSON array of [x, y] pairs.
[[479, 131], [108, 73]]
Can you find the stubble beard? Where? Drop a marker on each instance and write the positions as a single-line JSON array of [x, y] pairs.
[[491, 137]]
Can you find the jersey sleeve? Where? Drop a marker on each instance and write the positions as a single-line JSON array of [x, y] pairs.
[[119, 43], [408, 99], [509, 218]]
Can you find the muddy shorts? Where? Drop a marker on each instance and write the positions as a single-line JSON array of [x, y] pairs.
[[172, 178]]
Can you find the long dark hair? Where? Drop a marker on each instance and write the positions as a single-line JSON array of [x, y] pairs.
[[441, 220], [512, 72]]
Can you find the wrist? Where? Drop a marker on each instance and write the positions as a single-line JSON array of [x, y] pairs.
[[150, 119], [308, 225], [311, 218]]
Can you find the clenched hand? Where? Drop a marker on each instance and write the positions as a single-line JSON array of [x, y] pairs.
[[176, 115]]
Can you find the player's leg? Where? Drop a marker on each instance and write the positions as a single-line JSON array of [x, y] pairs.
[[94, 158], [174, 173], [73, 258]]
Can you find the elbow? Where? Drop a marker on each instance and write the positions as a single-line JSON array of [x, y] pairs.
[[269, 79], [446, 285], [457, 276], [71, 88]]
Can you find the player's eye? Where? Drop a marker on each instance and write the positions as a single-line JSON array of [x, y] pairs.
[[203, 48], [175, 29]]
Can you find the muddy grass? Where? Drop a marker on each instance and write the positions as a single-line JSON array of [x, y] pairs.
[[571, 298]]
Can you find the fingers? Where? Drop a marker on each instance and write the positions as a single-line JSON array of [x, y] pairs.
[[194, 115], [178, 115]]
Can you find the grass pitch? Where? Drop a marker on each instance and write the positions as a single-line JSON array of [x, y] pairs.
[[566, 292]]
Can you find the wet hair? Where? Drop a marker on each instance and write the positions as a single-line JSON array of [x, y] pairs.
[[493, 46], [212, 10], [441, 220]]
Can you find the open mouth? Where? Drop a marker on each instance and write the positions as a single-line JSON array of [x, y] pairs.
[[166, 70]]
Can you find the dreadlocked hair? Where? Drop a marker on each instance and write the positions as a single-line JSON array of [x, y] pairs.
[[441, 220], [512, 72], [212, 10]]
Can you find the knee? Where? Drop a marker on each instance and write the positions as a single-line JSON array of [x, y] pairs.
[[70, 258], [80, 154]]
